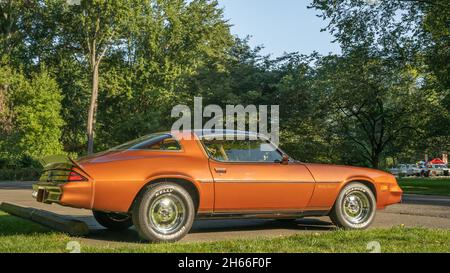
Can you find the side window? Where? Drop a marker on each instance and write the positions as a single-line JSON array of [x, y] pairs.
[[162, 142], [242, 150], [165, 144], [170, 144]]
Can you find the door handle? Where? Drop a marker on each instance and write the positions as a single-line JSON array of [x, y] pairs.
[[220, 170]]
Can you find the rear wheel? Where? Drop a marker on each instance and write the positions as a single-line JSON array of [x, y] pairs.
[[354, 208], [163, 213], [113, 221]]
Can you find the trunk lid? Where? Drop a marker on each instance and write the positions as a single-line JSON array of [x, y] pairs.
[[57, 169]]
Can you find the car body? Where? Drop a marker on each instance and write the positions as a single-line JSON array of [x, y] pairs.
[[415, 170], [423, 167], [438, 169], [403, 170], [395, 170], [446, 170], [223, 179], [410, 170]]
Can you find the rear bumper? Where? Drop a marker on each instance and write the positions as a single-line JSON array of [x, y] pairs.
[[46, 193], [72, 194], [57, 183]]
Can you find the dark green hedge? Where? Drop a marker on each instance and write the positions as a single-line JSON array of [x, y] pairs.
[[22, 174]]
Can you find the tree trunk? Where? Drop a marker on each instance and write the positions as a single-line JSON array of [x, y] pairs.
[[375, 160], [92, 109], [375, 163]]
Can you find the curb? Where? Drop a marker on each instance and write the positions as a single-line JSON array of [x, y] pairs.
[[52, 220]]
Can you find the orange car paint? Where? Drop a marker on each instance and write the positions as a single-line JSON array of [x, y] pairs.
[[117, 177]]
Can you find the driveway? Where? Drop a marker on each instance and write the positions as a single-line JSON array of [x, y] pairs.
[[415, 211]]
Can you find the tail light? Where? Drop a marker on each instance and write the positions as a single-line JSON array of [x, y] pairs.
[[74, 177]]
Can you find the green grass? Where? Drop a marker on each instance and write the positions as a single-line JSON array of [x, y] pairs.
[[430, 186], [18, 235]]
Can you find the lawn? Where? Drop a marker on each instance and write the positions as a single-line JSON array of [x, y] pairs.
[[18, 235], [430, 186]]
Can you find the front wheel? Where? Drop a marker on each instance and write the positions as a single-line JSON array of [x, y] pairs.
[[354, 208], [163, 213], [113, 221]]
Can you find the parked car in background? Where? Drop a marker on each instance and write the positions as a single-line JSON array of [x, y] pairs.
[[419, 169], [397, 170], [446, 170], [404, 170], [423, 169], [438, 167], [438, 170], [415, 170]]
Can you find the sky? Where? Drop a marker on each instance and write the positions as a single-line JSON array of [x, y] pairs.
[[279, 25]]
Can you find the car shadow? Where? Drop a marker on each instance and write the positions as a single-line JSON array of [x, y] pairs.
[[259, 224], [216, 226]]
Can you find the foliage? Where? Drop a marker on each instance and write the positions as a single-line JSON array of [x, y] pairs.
[[31, 121], [20, 174], [372, 102], [385, 99], [413, 34]]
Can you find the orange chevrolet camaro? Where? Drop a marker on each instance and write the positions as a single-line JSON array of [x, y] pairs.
[[161, 182]]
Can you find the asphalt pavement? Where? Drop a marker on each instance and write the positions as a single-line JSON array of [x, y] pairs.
[[415, 211]]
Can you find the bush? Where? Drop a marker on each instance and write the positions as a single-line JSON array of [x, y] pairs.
[[22, 169], [30, 117], [22, 174]]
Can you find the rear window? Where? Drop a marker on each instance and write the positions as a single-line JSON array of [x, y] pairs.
[[155, 142]]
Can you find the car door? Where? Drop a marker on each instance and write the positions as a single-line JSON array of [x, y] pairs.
[[249, 177]]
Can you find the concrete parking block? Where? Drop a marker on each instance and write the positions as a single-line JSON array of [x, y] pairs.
[[52, 220]]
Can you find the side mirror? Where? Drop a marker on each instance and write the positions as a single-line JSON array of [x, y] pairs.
[[285, 160]]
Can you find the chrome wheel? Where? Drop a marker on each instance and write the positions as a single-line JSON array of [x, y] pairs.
[[356, 207], [167, 213]]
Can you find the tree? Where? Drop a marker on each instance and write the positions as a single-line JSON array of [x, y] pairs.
[[410, 33], [139, 54], [94, 27], [303, 112], [168, 44], [29, 115], [372, 101]]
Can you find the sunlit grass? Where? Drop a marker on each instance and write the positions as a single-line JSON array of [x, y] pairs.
[[18, 235], [428, 186]]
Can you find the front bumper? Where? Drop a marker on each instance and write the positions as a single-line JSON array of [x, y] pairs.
[[395, 195], [388, 194]]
